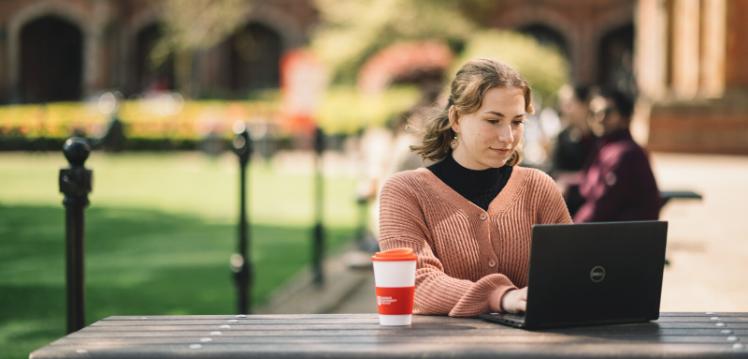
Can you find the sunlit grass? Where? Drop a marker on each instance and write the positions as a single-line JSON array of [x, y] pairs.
[[159, 233]]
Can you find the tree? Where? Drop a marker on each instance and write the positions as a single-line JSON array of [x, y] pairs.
[[353, 30], [194, 25], [544, 67]]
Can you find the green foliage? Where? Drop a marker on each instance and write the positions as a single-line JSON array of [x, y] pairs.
[[200, 24], [50, 120], [345, 109], [344, 41], [193, 25], [545, 68], [144, 119]]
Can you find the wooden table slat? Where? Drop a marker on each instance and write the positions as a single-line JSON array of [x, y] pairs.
[[411, 350], [341, 331], [281, 336], [633, 341]]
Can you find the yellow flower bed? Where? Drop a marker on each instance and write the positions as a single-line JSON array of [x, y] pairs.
[[51, 120], [343, 110], [142, 118]]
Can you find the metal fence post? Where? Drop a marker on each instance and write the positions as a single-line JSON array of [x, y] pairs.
[[75, 183], [318, 243], [241, 262], [362, 204]]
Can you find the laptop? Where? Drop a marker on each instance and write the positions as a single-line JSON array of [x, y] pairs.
[[592, 273]]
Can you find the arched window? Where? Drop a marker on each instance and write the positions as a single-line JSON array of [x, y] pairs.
[[546, 35], [151, 76], [51, 60], [254, 53], [615, 59]]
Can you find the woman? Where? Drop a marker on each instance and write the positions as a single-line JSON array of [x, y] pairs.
[[576, 141], [468, 217], [574, 145]]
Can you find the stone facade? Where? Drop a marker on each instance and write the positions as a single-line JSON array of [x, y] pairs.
[[685, 59], [694, 83], [686, 54], [114, 33], [579, 27], [108, 33]]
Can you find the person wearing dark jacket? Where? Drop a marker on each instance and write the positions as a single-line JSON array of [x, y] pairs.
[[618, 183], [574, 144], [576, 141]]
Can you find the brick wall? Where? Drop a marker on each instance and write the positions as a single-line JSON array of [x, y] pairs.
[[718, 126]]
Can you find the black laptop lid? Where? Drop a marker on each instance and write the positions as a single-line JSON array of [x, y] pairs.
[[592, 273]]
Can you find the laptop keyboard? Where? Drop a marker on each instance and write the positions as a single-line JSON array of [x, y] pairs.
[[517, 318]]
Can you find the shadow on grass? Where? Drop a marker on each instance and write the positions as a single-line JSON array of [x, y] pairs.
[[138, 262]]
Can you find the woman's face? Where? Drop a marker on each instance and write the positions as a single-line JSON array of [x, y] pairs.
[[605, 118], [488, 136], [575, 111]]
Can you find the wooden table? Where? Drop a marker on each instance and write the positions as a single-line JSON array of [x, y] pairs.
[[695, 335]]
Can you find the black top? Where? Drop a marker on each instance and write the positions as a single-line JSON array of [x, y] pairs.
[[572, 150], [479, 187]]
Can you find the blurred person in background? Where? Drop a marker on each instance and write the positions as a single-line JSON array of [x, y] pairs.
[[404, 136], [468, 217], [618, 184], [574, 144], [386, 151], [373, 149], [113, 137]]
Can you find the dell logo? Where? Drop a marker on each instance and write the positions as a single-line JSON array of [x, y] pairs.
[[597, 274]]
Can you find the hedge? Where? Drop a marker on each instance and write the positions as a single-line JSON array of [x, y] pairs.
[[174, 124]]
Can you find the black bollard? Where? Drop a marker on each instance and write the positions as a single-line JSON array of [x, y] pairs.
[[241, 262], [75, 184], [318, 242], [363, 217]]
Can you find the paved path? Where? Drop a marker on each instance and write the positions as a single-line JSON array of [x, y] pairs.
[[708, 240], [361, 301]]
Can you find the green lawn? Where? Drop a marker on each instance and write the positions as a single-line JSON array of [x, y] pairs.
[[160, 230]]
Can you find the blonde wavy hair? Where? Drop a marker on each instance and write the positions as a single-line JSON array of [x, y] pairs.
[[467, 90]]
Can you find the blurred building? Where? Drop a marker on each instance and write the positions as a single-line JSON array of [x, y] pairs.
[[596, 36], [63, 49], [690, 62], [682, 57], [56, 50]]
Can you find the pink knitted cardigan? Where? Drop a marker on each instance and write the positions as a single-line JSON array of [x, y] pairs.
[[465, 253]]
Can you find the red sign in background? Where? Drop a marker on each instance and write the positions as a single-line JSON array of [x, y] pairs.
[[303, 82]]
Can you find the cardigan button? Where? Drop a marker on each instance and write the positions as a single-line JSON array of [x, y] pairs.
[[491, 263], [483, 216]]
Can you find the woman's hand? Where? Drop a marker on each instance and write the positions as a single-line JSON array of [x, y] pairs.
[[514, 301]]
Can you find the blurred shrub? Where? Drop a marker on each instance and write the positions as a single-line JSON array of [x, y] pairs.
[[51, 120], [153, 123], [170, 123], [345, 42], [544, 67], [346, 110], [192, 120]]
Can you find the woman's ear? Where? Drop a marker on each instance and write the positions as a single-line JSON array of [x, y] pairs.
[[454, 119]]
